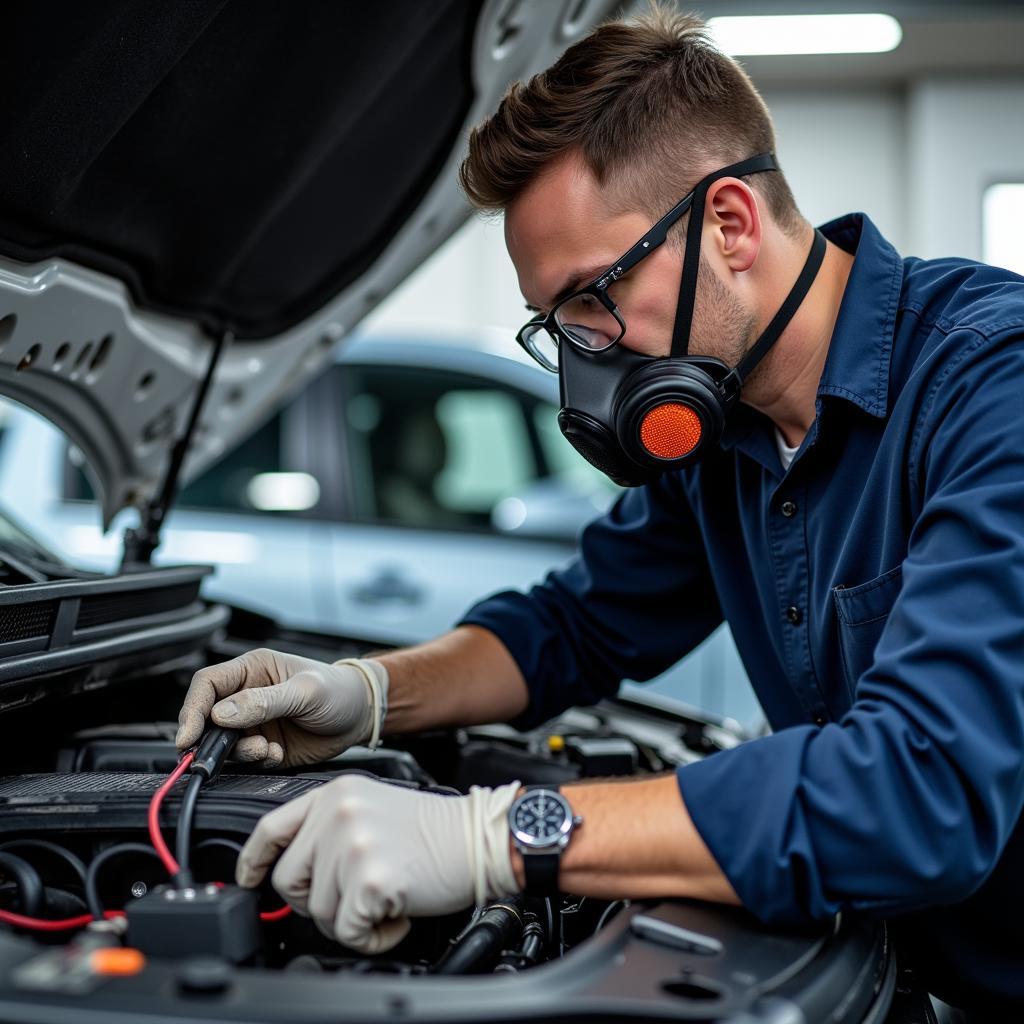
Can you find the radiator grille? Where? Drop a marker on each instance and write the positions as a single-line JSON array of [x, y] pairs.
[[103, 609], [21, 622]]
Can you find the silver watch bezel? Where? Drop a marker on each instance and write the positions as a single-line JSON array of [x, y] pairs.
[[530, 843]]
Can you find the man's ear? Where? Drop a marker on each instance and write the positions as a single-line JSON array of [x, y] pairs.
[[734, 221]]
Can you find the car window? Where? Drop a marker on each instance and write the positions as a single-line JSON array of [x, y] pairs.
[[488, 449], [429, 448]]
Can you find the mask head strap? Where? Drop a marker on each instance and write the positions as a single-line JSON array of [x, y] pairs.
[[694, 230], [781, 319]]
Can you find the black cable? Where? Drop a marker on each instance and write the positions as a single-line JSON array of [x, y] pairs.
[[72, 860], [183, 837], [226, 844], [609, 912], [211, 752], [30, 885], [92, 896]]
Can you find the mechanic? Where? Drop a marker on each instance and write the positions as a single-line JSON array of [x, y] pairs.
[[834, 465]]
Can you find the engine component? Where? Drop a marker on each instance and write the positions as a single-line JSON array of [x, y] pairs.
[[483, 941], [30, 887], [134, 748], [205, 920], [603, 755], [528, 952], [493, 763]]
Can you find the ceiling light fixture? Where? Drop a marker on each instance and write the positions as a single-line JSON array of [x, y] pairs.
[[783, 34]]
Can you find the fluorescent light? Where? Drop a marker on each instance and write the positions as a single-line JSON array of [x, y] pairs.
[[1003, 226], [763, 35]]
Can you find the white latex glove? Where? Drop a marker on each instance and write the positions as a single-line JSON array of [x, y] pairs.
[[361, 857], [300, 711]]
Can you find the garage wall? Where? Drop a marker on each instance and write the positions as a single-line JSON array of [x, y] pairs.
[[964, 136], [468, 282], [844, 151]]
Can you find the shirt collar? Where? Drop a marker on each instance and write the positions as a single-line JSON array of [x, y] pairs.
[[857, 366]]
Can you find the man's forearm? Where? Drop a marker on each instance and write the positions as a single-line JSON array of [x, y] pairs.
[[466, 677], [636, 841]]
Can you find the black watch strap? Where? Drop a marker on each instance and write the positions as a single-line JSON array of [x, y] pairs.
[[541, 869], [541, 872]]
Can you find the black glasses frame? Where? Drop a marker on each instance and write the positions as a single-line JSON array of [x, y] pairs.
[[598, 287]]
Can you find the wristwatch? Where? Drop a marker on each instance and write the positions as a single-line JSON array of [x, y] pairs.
[[542, 823]]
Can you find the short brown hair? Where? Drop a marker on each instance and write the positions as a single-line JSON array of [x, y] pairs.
[[647, 103]]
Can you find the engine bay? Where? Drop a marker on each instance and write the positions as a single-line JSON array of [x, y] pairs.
[[93, 805], [87, 911]]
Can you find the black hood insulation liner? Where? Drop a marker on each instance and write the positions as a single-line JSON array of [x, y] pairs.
[[238, 162]]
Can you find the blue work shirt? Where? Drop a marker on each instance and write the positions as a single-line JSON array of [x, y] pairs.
[[876, 594]]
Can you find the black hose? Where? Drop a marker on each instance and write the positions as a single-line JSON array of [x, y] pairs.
[[529, 951], [30, 885], [533, 943], [482, 942], [92, 896], [183, 837], [217, 841], [72, 860]]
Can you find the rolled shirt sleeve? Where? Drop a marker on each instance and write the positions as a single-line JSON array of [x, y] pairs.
[[908, 800], [637, 597]]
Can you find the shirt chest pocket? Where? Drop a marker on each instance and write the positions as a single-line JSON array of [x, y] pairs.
[[862, 612]]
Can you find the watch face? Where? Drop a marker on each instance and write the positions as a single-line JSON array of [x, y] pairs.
[[541, 818]]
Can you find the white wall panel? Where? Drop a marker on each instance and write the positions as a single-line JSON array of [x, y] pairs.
[[843, 151], [964, 135]]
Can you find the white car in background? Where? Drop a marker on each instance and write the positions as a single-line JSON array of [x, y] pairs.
[[413, 477]]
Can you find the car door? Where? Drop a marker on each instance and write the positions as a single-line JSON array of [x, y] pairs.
[[434, 456]]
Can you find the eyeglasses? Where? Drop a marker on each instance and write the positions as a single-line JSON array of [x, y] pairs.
[[589, 318]]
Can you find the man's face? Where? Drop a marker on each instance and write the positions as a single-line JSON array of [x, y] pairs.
[[565, 229]]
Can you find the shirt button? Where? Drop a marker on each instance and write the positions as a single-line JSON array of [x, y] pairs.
[[794, 615], [788, 509], [819, 719]]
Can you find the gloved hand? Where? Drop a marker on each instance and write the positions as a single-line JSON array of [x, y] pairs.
[[361, 857], [301, 711]]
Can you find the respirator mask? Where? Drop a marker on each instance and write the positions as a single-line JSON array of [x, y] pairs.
[[635, 416]]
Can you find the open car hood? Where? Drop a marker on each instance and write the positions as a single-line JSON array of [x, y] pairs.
[[173, 173]]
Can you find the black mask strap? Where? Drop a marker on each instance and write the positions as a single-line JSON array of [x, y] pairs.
[[694, 230], [781, 319]]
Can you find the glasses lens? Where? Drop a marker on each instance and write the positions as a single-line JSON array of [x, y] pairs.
[[587, 323], [541, 346]]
